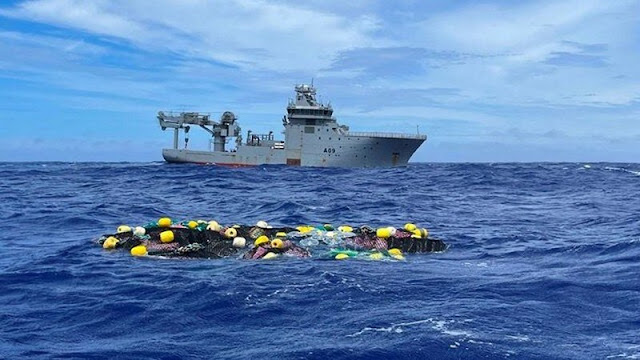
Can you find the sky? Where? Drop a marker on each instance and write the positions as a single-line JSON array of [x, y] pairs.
[[487, 81]]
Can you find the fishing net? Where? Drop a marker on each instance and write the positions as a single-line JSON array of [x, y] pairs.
[[195, 241]]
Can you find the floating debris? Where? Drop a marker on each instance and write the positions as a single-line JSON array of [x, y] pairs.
[[209, 239]]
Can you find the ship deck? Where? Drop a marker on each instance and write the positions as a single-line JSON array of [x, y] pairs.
[[386, 135]]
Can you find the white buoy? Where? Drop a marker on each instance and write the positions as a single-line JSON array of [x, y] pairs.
[[139, 231], [262, 224], [239, 242]]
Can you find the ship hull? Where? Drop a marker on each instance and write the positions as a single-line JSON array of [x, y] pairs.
[[246, 158], [350, 151]]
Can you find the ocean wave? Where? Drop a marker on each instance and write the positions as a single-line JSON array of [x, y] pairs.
[[542, 263]]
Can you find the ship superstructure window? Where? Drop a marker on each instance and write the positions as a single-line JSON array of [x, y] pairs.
[[309, 129], [310, 122]]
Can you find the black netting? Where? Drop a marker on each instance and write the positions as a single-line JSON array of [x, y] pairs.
[[214, 244]]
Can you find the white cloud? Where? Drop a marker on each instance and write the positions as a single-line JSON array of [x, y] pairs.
[[92, 16], [520, 28], [515, 39], [76, 46], [259, 34]]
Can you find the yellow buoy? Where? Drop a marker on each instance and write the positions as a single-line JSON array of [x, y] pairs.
[[139, 250], [345, 228], [139, 231], [214, 226], [414, 236], [410, 227], [123, 229], [164, 222], [192, 224], [341, 256], [417, 234], [231, 232], [398, 257], [383, 232], [281, 234], [239, 242], [277, 244], [424, 233], [395, 251], [110, 243], [167, 236], [261, 240], [305, 229], [376, 256], [270, 255]]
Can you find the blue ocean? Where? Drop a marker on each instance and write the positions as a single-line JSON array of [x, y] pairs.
[[543, 263]]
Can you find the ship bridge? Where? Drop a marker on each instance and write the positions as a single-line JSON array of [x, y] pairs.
[[305, 109]]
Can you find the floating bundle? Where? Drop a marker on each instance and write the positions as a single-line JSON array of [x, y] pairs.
[[209, 239]]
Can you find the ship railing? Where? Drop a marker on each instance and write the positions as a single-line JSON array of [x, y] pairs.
[[387, 135], [176, 113]]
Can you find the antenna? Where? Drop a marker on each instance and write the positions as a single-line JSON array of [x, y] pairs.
[[311, 82], [418, 129]]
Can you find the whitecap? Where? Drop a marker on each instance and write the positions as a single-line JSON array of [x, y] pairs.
[[438, 325], [613, 168], [624, 356], [519, 338]]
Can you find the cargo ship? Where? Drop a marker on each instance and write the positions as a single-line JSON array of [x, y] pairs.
[[312, 137]]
